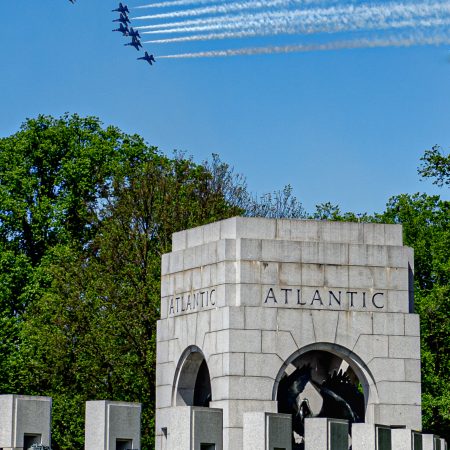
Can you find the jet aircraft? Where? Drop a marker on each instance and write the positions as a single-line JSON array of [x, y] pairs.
[[123, 9], [148, 58], [123, 19], [133, 33], [135, 42], [123, 29]]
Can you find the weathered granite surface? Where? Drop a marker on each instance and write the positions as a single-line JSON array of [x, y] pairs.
[[194, 428], [110, 425], [24, 415], [267, 431]]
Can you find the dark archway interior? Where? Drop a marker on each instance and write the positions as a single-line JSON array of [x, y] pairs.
[[319, 384], [194, 383], [202, 390]]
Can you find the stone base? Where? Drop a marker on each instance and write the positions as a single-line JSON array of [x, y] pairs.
[[406, 439], [112, 425], [267, 431], [195, 428], [326, 434], [24, 420]]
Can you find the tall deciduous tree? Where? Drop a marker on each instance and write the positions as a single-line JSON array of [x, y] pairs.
[[55, 177], [86, 213]]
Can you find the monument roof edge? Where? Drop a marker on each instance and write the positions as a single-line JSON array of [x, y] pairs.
[[289, 229]]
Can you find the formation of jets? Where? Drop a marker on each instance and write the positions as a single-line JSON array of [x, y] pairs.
[[129, 31]]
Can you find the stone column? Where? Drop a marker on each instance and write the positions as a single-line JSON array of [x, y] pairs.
[[428, 442], [363, 436], [367, 436], [402, 439], [267, 431], [195, 428], [326, 434], [112, 425], [24, 420]]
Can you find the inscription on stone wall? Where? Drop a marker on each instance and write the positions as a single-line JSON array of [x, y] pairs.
[[292, 297], [322, 298], [192, 301]]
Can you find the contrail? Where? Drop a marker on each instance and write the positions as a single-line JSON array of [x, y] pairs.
[[227, 8], [425, 23], [185, 23], [206, 2], [177, 3], [335, 45], [314, 20]]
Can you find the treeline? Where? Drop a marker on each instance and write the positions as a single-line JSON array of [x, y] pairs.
[[86, 213]]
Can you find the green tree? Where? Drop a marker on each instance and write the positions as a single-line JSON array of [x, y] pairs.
[[89, 331], [54, 177]]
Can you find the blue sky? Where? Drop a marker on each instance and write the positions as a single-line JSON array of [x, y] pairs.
[[346, 126]]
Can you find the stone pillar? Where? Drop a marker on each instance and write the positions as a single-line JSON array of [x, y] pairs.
[[326, 434], [195, 428], [405, 439], [363, 436], [428, 441], [24, 420], [112, 425], [267, 431], [367, 436]]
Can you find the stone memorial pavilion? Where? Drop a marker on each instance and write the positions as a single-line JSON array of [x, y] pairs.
[[273, 330]]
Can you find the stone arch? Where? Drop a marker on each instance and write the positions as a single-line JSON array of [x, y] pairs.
[[361, 370], [192, 382]]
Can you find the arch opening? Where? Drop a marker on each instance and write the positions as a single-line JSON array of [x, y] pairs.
[[192, 385], [317, 382]]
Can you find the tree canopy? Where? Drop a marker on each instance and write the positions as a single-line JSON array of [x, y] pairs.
[[85, 214]]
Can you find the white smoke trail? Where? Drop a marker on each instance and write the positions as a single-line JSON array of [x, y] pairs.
[[206, 2], [315, 20], [227, 8], [185, 23], [362, 14], [170, 4], [421, 23], [410, 41]]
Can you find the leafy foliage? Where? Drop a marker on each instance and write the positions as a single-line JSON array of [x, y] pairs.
[[435, 164], [100, 208]]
